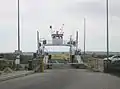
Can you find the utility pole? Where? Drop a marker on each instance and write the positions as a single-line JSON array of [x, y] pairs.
[[18, 28], [84, 36], [71, 59], [107, 29], [70, 44], [39, 55], [106, 63], [38, 44], [77, 40], [17, 61]]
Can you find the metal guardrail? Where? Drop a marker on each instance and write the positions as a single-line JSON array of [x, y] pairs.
[[63, 63]]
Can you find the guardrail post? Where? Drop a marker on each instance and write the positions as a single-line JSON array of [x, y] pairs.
[[97, 63]]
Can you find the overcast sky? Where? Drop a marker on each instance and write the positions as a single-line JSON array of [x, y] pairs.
[[39, 14]]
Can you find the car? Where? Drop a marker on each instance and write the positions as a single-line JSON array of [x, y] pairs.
[[115, 66], [113, 58], [112, 64]]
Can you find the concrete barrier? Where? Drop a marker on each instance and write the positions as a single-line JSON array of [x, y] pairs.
[[15, 75]]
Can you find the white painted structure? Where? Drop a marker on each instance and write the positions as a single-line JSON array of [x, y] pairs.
[[57, 39], [79, 60], [45, 60], [17, 61]]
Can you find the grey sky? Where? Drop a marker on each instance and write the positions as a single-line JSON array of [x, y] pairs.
[[39, 14]]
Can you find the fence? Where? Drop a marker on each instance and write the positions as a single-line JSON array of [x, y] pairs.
[[95, 64]]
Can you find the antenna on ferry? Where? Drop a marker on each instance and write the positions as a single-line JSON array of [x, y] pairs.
[[51, 29], [61, 29]]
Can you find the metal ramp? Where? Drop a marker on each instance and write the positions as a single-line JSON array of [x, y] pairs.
[[61, 66]]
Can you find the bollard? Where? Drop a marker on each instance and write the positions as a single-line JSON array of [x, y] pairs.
[[41, 65], [30, 66]]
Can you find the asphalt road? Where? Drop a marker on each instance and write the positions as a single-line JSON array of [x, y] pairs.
[[64, 79]]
